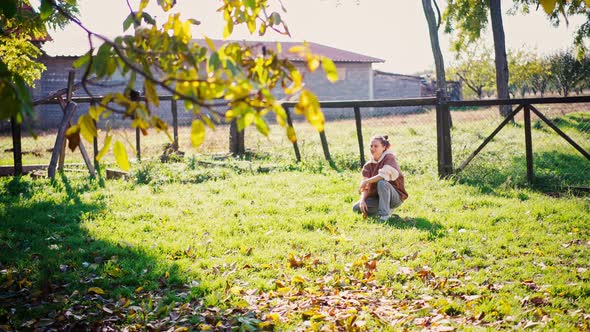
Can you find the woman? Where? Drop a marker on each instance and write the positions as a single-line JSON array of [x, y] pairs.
[[382, 188]]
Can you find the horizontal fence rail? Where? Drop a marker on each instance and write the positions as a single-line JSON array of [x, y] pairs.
[[443, 122]]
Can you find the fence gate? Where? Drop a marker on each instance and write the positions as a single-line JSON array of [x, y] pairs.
[[525, 106]]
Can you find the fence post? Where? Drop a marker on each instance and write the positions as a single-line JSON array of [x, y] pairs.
[[443, 116], [359, 133], [95, 142], [290, 124], [69, 95], [138, 143], [175, 122], [325, 145], [16, 146], [528, 144], [61, 137], [236, 139]]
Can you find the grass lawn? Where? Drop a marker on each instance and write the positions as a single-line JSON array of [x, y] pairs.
[[262, 243]]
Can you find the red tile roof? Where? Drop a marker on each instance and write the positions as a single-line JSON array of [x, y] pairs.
[[336, 54]]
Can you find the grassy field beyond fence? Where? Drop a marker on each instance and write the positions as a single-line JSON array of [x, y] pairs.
[[209, 242]]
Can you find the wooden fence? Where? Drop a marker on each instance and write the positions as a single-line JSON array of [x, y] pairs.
[[443, 125]]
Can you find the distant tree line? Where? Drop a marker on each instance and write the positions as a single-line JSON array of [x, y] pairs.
[[559, 73]]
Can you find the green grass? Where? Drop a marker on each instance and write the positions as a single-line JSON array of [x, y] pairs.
[[263, 243]]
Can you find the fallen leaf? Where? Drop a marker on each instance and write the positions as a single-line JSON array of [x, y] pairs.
[[96, 290]]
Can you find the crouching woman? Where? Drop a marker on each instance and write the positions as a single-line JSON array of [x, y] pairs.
[[382, 188]]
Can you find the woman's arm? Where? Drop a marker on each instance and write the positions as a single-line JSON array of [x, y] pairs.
[[367, 181]]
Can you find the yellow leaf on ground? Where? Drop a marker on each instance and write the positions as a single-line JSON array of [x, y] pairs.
[[96, 290], [298, 280]]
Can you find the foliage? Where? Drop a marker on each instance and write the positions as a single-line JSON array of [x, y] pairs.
[[567, 71], [227, 81], [468, 19], [528, 72], [475, 68], [21, 28], [558, 11], [541, 76]]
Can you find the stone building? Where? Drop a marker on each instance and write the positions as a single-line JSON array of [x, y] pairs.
[[357, 81]]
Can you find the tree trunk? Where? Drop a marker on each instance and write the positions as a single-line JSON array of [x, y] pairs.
[[500, 55], [441, 82], [236, 140], [439, 63]]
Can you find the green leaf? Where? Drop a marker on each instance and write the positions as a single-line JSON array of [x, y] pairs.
[[214, 62], [261, 125], [101, 60], [81, 61], [148, 18], [128, 21], [275, 18], [250, 3], [121, 156], [197, 133], [105, 148], [330, 69], [8, 7], [45, 10]]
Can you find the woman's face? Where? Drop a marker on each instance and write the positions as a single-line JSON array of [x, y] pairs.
[[377, 149]]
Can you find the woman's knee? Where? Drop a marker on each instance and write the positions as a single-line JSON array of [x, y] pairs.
[[382, 185]]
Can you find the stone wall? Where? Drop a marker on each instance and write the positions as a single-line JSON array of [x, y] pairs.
[[357, 81], [394, 86]]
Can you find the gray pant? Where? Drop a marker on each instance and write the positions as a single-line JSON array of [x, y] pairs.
[[387, 199]]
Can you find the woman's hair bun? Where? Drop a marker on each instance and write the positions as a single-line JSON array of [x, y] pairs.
[[386, 137]]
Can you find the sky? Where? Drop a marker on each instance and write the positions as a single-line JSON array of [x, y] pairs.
[[394, 31]]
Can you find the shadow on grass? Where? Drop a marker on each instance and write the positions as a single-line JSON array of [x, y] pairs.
[[576, 121], [54, 275], [435, 231], [553, 172]]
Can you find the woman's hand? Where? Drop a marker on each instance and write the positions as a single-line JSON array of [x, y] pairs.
[[363, 207], [363, 185]]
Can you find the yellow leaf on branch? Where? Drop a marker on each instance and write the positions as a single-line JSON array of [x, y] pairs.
[[549, 5], [87, 127], [330, 69], [121, 156], [197, 133]]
